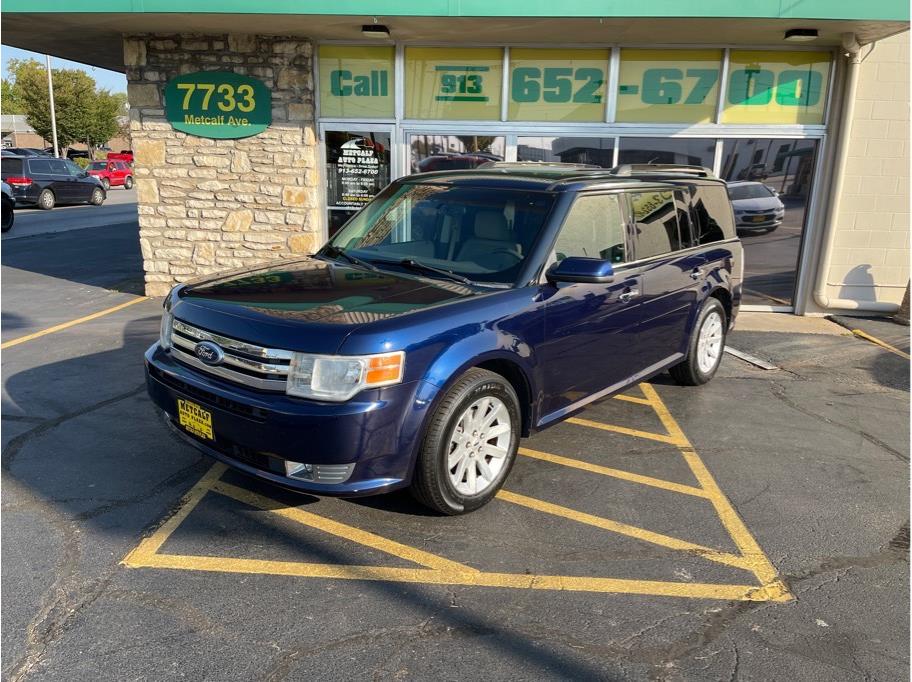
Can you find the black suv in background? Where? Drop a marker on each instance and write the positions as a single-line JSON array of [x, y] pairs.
[[44, 182]]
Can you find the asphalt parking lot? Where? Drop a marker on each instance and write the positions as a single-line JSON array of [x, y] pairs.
[[755, 528]]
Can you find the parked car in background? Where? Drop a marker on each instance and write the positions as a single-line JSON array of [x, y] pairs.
[[122, 155], [77, 154], [46, 182], [9, 203], [757, 206], [112, 173], [454, 314], [27, 151]]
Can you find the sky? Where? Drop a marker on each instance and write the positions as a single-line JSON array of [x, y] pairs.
[[110, 80]]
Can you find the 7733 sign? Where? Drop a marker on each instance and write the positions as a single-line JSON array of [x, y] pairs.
[[218, 104]]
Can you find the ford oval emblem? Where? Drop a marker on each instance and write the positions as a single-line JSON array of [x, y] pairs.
[[209, 353]]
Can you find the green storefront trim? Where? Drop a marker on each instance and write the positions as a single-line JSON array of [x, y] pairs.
[[873, 10]]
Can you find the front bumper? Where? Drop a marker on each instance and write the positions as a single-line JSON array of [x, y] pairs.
[[256, 432], [747, 222]]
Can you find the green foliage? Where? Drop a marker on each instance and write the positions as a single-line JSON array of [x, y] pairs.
[[84, 114], [10, 103], [82, 163]]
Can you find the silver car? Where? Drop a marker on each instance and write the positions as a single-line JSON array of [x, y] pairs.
[[757, 206]]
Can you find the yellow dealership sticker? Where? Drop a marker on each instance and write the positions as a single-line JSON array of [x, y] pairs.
[[194, 419]]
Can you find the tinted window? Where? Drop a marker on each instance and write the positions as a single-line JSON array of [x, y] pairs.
[[59, 167], [598, 151], [685, 222], [692, 152], [594, 228], [72, 168], [713, 213], [39, 166], [11, 167], [655, 216]]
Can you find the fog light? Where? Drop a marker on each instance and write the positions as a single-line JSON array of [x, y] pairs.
[[319, 473]]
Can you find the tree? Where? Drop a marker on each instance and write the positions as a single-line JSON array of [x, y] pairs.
[[10, 102], [103, 124]]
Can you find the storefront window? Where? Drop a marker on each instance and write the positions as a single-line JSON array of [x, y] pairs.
[[690, 152], [668, 86], [769, 185], [453, 152], [357, 168], [557, 85], [597, 151], [356, 81], [777, 87], [453, 83]]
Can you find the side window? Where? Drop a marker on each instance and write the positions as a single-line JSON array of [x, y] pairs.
[[685, 222], [713, 214], [39, 166], [656, 219], [594, 228], [59, 167]]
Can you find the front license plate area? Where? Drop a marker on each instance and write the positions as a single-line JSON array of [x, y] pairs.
[[760, 218], [194, 419]]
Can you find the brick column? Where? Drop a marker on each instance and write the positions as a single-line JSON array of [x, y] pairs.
[[211, 205]]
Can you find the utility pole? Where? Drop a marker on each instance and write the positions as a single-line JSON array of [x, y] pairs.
[[47, 59]]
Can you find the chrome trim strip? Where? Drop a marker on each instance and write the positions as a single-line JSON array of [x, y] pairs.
[[225, 373], [229, 343], [237, 361]]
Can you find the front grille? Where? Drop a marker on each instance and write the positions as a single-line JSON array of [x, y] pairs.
[[265, 369], [208, 398]]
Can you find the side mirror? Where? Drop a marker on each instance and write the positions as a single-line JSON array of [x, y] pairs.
[[583, 270]]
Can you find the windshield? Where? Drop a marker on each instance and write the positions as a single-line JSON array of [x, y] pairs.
[[752, 190], [483, 234], [98, 165]]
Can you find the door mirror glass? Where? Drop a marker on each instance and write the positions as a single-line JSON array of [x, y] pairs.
[[584, 270]]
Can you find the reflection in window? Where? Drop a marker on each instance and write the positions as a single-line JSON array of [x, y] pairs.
[[453, 152], [656, 223], [593, 229], [690, 152], [596, 151]]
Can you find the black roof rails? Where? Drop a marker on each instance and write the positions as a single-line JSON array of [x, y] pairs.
[[521, 165], [662, 168]]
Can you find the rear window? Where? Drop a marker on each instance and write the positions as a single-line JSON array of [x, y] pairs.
[[753, 190], [656, 223], [713, 213], [10, 167]]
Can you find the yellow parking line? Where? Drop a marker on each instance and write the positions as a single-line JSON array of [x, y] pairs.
[[616, 473], [632, 399], [660, 437], [71, 323], [341, 530], [625, 529], [725, 592], [882, 344]]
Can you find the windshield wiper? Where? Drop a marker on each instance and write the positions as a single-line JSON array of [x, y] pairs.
[[413, 264], [334, 251]]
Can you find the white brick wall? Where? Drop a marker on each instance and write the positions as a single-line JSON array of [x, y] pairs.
[[870, 260]]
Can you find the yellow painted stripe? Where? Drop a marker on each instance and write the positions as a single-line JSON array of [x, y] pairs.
[[71, 323], [616, 473], [733, 523], [143, 552], [661, 438], [632, 399], [341, 530], [882, 344], [725, 592], [628, 530]]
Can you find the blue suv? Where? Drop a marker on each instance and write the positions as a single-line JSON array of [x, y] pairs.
[[456, 313]]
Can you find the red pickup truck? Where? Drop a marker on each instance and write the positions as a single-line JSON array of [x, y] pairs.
[[112, 173], [122, 155]]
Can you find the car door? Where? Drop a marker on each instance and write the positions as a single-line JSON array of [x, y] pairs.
[[590, 329], [672, 270], [64, 182]]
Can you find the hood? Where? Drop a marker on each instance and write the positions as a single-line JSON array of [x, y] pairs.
[[309, 304], [758, 204]]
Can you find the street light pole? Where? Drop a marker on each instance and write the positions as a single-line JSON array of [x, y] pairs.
[[47, 59]]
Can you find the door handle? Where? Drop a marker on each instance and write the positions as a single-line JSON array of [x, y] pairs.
[[629, 295], [696, 273]]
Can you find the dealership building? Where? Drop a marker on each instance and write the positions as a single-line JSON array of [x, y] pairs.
[[260, 128]]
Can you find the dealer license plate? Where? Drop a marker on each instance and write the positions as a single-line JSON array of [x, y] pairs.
[[760, 218], [194, 419]]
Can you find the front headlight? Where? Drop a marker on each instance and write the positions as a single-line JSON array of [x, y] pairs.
[[164, 337], [338, 377]]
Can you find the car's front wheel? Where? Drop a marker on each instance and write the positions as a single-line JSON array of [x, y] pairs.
[[707, 343], [470, 444], [106, 184], [98, 197]]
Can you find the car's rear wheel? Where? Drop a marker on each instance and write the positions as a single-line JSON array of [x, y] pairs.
[[98, 197], [46, 200], [470, 444], [128, 182], [106, 184], [8, 215], [706, 346]]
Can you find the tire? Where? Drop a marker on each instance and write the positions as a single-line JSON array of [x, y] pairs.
[[106, 184], [698, 367], [98, 197], [8, 215], [128, 182], [46, 200], [444, 488]]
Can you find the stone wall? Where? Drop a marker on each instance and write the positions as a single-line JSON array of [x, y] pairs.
[[211, 205]]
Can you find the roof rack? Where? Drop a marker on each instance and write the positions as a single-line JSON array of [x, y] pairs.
[[541, 164], [647, 168]]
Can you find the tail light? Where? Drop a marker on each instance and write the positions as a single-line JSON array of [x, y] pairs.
[[19, 182]]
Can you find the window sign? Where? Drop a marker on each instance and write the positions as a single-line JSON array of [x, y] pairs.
[[453, 83], [557, 85], [358, 166], [668, 86], [777, 87], [218, 104], [356, 81]]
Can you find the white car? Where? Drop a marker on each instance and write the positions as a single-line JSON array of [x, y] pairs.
[[756, 206]]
